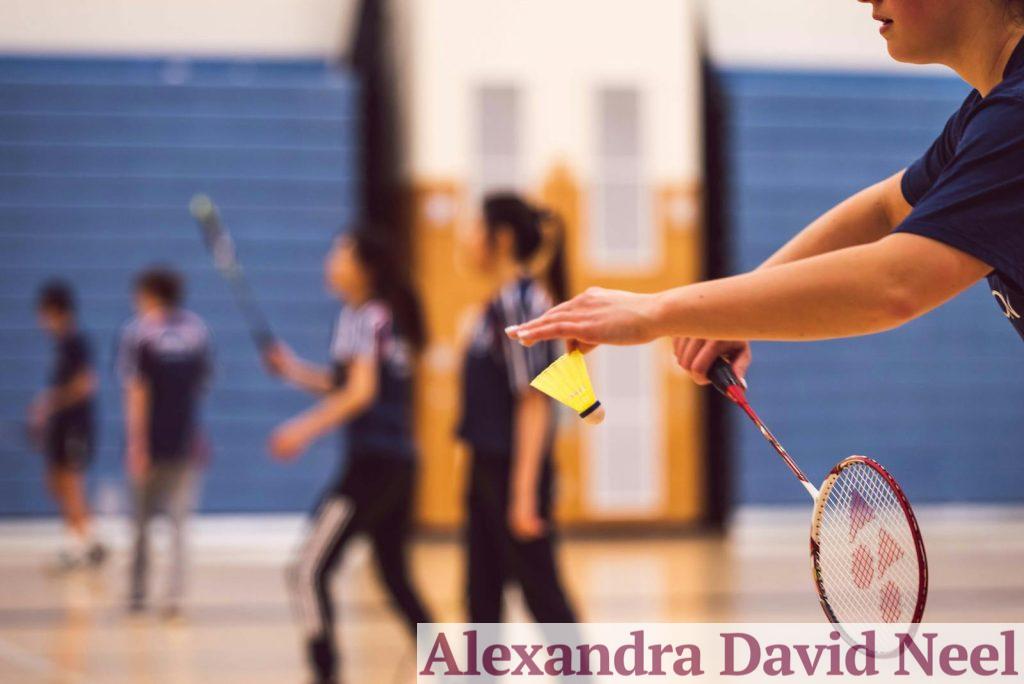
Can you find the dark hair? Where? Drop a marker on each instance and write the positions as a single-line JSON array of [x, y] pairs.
[[163, 283], [56, 295], [390, 281], [510, 211]]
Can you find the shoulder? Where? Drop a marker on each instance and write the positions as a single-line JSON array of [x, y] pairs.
[[375, 313], [190, 327], [372, 314], [132, 330], [193, 321], [999, 116], [524, 299]]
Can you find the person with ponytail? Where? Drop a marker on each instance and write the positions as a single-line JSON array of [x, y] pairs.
[[369, 390], [508, 426]]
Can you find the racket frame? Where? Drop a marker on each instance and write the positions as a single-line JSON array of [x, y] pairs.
[[908, 512], [724, 379]]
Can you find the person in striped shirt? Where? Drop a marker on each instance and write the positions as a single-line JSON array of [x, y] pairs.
[[368, 389]]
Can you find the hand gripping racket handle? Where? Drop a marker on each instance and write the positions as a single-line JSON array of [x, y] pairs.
[[722, 377]]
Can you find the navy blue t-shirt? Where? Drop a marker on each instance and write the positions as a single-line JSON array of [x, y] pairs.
[[385, 428], [968, 189], [497, 371], [172, 357], [74, 356]]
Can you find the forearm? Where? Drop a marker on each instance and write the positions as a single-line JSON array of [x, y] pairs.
[[864, 218], [532, 418], [309, 377], [845, 293], [332, 411], [80, 388]]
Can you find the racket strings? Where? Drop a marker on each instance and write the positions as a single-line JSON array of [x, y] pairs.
[[868, 567]]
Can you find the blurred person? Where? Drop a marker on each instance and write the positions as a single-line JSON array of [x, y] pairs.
[[887, 255], [62, 422], [164, 365], [509, 427], [368, 389]]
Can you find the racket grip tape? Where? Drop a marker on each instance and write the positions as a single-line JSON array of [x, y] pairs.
[[722, 377]]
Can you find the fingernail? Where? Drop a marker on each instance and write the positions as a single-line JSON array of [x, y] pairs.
[[511, 330], [743, 381]]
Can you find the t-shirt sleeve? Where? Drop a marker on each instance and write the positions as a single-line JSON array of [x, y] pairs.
[[524, 363], [922, 174], [976, 203], [358, 333], [74, 358]]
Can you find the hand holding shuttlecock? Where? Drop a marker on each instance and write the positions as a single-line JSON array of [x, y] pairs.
[[567, 381]]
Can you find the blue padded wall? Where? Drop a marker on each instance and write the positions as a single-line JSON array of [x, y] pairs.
[[940, 401], [98, 160]]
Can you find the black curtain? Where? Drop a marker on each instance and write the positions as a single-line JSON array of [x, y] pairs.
[[381, 196], [719, 446]]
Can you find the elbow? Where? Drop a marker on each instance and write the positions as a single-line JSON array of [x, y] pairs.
[[899, 303]]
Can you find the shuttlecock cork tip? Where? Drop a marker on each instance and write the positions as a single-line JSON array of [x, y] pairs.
[[594, 417]]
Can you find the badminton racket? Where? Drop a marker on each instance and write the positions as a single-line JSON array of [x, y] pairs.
[[867, 554], [218, 241]]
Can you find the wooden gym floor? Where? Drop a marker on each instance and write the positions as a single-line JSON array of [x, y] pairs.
[[238, 626]]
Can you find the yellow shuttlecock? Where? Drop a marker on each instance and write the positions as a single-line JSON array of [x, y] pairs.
[[567, 381]]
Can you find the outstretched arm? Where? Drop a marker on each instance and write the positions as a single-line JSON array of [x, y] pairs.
[[281, 361], [360, 390], [849, 292], [866, 217]]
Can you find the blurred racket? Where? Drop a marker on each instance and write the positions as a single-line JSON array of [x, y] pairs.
[[218, 240], [868, 557]]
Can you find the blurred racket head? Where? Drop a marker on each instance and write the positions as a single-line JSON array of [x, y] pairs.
[[868, 555], [217, 240]]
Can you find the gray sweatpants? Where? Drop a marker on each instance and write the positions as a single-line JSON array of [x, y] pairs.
[[169, 488]]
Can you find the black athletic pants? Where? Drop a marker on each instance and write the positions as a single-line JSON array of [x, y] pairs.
[[495, 556], [374, 497]]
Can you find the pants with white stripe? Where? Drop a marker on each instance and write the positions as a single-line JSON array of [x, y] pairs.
[[374, 498]]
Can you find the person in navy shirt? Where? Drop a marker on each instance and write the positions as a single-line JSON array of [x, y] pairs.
[[507, 425], [164, 364], [887, 255], [368, 389], [62, 419]]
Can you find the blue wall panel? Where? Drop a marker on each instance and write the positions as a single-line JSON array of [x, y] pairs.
[[98, 159], [940, 401]]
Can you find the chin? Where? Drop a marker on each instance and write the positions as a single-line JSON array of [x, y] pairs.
[[905, 55]]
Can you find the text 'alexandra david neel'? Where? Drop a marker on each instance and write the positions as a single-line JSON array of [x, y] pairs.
[[716, 652]]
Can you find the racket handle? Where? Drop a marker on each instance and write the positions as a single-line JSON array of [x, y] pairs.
[[722, 377]]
